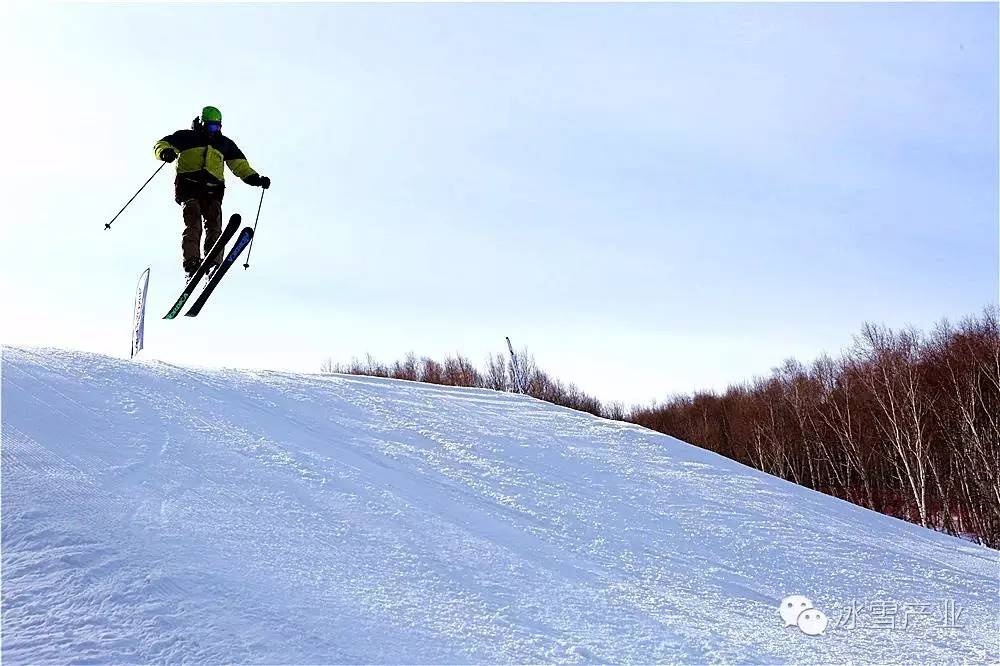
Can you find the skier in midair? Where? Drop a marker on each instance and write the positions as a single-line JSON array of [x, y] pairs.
[[199, 185]]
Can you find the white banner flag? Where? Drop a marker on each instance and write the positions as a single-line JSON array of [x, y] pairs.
[[139, 317]]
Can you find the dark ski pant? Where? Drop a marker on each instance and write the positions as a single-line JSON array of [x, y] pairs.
[[202, 208]]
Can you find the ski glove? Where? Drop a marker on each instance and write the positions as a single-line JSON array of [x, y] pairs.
[[256, 180], [168, 155]]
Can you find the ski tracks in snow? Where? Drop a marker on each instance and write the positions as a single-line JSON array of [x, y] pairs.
[[154, 513]]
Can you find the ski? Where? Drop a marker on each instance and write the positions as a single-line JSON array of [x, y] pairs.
[[220, 245], [241, 242]]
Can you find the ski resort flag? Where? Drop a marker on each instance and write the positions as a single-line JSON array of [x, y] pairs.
[[139, 316]]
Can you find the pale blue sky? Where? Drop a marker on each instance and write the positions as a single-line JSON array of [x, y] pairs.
[[653, 198]]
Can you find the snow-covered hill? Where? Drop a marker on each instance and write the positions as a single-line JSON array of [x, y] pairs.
[[158, 513]]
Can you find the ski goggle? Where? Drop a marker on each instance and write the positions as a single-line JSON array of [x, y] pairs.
[[213, 126]]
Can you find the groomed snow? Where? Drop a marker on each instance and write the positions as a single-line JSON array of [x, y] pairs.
[[155, 513]]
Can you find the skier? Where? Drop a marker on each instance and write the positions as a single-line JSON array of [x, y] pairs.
[[199, 185]]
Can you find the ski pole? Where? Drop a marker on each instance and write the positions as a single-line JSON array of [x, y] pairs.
[[252, 238], [108, 225], [513, 367]]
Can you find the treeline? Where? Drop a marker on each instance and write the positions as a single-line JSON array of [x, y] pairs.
[[904, 423], [502, 373]]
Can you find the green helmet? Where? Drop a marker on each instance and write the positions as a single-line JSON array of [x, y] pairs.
[[210, 114]]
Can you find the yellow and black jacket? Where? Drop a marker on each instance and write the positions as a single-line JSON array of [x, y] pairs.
[[200, 156]]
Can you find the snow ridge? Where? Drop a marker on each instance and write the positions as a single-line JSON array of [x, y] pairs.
[[155, 513]]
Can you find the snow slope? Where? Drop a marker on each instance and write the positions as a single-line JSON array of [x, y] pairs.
[[157, 513]]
